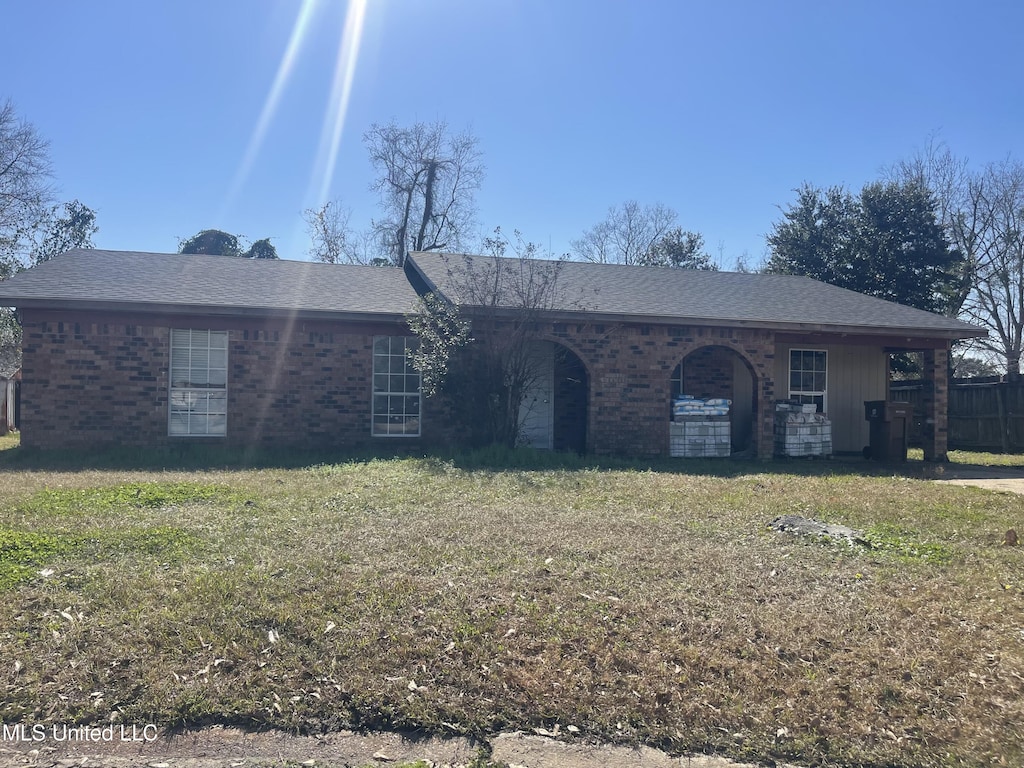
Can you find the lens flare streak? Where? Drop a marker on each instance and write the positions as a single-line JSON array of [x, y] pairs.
[[341, 91], [284, 72]]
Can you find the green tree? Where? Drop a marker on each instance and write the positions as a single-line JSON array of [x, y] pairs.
[[681, 249], [73, 229], [261, 249], [216, 242], [904, 254], [212, 242], [887, 243], [816, 236], [966, 366]]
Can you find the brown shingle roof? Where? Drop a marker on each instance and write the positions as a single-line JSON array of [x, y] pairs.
[[122, 280], [217, 284], [722, 298]]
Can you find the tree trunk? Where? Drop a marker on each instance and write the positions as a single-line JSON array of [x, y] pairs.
[[428, 204]]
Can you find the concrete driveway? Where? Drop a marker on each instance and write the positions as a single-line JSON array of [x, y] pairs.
[[1006, 479]]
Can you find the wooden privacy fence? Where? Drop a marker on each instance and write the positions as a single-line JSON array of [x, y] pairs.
[[984, 415]]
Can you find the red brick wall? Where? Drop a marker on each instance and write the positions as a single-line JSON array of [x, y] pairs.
[[630, 367], [93, 379], [708, 372], [90, 380]]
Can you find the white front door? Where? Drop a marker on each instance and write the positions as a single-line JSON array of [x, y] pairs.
[[537, 411]]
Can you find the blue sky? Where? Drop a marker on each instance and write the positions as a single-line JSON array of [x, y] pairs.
[[718, 110]]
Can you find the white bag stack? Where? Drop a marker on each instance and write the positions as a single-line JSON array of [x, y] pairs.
[[700, 428], [801, 431]]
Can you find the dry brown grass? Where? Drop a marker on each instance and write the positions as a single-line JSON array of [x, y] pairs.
[[632, 605]]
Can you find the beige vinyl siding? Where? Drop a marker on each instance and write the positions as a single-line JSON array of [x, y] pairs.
[[855, 374]]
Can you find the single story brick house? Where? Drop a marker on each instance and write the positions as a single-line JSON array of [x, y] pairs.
[[154, 349]]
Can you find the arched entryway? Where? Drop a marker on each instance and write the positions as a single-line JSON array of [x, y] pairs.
[[553, 414], [718, 372]]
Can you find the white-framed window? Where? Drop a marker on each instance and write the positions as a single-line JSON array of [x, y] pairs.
[[396, 388], [808, 377], [198, 397]]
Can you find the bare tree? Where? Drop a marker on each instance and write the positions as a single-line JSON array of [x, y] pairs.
[[982, 214], [478, 339], [25, 198], [331, 237], [635, 234], [954, 188], [25, 187], [996, 203], [426, 179]]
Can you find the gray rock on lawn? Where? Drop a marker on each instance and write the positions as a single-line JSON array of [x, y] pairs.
[[805, 526]]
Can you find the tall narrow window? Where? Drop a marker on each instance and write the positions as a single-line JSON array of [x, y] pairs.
[[808, 377], [396, 388], [198, 391]]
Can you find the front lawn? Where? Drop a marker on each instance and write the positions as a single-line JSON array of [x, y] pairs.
[[614, 604]]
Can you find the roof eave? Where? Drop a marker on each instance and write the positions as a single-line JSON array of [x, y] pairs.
[[204, 309], [767, 325]]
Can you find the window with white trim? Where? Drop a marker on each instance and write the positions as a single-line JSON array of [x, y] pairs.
[[198, 397], [396, 388], [808, 377]]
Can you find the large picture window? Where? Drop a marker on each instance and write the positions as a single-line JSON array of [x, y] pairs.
[[396, 388], [808, 377], [198, 390]]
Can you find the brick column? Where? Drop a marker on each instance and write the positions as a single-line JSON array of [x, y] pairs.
[[764, 420], [935, 431]]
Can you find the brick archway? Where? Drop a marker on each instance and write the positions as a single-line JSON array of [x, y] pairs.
[[713, 371], [554, 411]]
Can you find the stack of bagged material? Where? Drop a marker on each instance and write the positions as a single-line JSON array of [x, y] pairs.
[[801, 431], [688, 405], [700, 428]]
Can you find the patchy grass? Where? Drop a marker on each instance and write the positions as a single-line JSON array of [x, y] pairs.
[[424, 594], [10, 440], [987, 459], [976, 458], [20, 551], [64, 526]]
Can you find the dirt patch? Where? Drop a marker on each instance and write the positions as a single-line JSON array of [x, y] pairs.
[[517, 749], [233, 748]]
